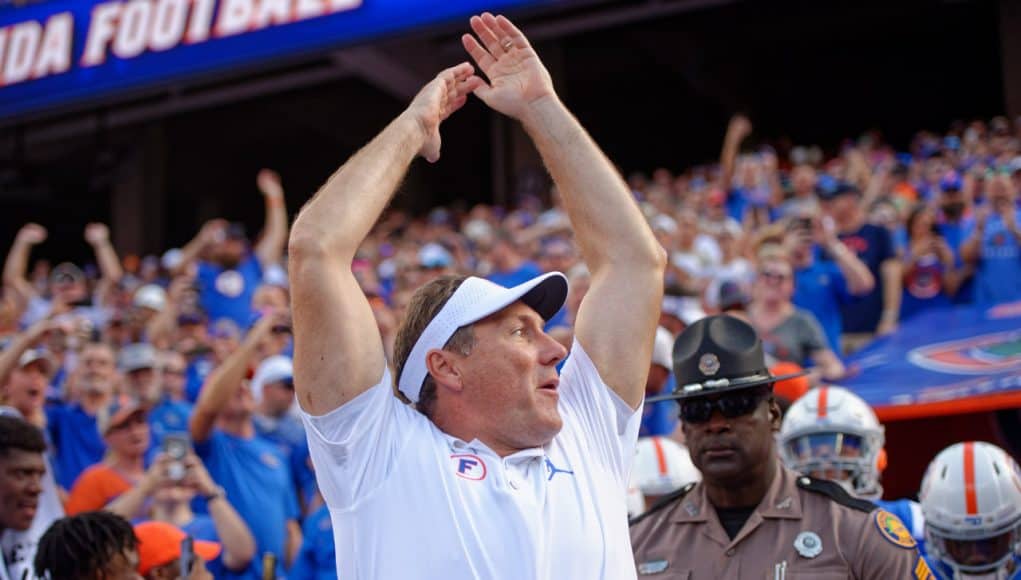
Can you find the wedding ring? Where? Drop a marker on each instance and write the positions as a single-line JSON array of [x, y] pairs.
[[507, 44]]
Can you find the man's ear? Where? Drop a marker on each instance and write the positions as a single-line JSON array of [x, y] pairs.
[[442, 366], [775, 415]]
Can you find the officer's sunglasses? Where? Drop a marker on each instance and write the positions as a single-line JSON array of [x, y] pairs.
[[730, 405]]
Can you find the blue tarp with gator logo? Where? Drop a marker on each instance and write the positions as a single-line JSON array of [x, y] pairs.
[[943, 362]]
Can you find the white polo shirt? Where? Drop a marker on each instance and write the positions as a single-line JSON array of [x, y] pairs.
[[409, 501]]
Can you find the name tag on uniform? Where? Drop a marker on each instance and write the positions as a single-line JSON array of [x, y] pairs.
[[652, 567]]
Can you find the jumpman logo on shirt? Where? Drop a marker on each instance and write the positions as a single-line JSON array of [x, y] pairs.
[[552, 469]]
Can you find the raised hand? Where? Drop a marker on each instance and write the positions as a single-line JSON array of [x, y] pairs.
[[31, 234], [740, 126], [96, 233], [268, 182], [438, 100], [517, 78]]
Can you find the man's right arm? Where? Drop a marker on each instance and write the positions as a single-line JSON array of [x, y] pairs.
[[738, 128], [338, 352], [223, 382]]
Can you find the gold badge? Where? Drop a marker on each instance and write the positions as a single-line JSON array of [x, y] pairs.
[[709, 364]]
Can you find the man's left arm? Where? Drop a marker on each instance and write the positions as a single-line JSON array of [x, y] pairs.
[[294, 538], [891, 276], [891, 272], [892, 553], [617, 319]]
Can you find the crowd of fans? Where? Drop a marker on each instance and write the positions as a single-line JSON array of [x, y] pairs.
[[163, 385]]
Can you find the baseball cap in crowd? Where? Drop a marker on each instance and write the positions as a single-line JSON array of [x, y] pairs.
[[841, 188], [225, 328], [662, 348], [474, 300], [951, 181], [236, 231], [731, 296], [793, 388], [439, 216], [136, 357], [663, 223], [66, 273], [433, 255], [684, 308], [478, 231], [274, 369], [191, 317], [1014, 165], [33, 355], [116, 415], [275, 275], [172, 258], [159, 544], [150, 296]]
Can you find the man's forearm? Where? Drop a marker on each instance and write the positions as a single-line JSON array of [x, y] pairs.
[[236, 538], [189, 253], [219, 387], [607, 222], [109, 265], [22, 342], [15, 266], [341, 214], [891, 273], [274, 238], [294, 537]]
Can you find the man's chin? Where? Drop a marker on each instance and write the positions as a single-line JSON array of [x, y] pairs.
[[549, 429]]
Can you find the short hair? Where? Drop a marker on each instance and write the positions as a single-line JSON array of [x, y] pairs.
[[76, 547], [18, 434], [425, 304]]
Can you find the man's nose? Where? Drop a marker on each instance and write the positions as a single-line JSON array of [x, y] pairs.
[[552, 351], [717, 422]]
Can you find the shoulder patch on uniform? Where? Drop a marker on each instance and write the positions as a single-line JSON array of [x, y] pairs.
[[663, 502], [893, 529], [835, 492]]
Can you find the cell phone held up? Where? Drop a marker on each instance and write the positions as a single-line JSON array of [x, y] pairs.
[[176, 446], [187, 559]]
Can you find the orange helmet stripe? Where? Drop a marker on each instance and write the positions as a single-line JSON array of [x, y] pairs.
[[824, 395], [660, 455], [970, 499]]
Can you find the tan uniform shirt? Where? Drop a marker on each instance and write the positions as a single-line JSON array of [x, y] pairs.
[[794, 533]]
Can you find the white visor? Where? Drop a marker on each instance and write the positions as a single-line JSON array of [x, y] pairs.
[[474, 300]]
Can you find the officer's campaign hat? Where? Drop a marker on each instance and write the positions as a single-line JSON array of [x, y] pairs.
[[718, 354]]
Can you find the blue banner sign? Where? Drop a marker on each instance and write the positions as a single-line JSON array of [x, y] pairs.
[[58, 53], [943, 362]]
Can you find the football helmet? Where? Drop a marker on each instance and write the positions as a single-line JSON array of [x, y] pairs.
[[661, 466], [831, 433], [971, 500]]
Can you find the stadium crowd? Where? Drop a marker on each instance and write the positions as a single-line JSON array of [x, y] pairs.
[[161, 393]]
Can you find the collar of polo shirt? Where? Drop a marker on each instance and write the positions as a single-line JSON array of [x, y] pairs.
[[474, 300]]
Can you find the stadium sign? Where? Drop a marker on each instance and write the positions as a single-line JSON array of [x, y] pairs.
[[65, 52]]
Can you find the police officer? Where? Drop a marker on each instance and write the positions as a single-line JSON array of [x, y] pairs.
[[751, 517]]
